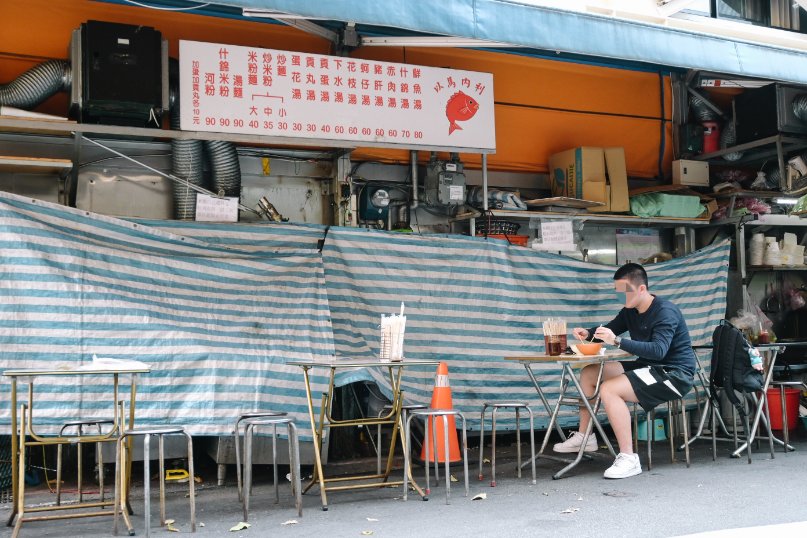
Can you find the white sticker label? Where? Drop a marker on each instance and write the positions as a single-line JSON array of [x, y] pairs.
[[214, 209], [456, 193]]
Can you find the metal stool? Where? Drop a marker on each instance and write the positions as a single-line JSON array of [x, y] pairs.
[[672, 410], [434, 414], [237, 439], [517, 406], [80, 424], [405, 409], [785, 430], [120, 475], [294, 459]]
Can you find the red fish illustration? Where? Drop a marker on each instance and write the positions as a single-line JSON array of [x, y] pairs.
[[460, 107]]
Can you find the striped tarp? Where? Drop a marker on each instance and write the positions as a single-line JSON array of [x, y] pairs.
[[217, 309], [216, 324], [470, 302]]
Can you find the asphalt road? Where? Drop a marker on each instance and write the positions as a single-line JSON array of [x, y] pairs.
[[669, 500]]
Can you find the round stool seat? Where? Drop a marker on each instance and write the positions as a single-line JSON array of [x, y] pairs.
[[435, 412], [258, 414], [505, 404], [157, 430], [406, 407], [87, 422], [268, 421]]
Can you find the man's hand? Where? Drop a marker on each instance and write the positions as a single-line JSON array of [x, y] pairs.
[[580, 334], [605, 334]]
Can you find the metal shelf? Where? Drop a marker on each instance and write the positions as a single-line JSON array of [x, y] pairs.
[[776, 147], [64, 127], [628, 220], [764, 268], [788, 144], [15, 164]]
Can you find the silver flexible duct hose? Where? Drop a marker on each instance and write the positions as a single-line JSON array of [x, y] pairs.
[[728, 138], [225, 167], [36, 85], [800, 107], [187, 160], [772, 175], [700, 110]]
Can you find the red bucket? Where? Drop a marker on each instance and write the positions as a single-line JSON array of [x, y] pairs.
[[791, 405]]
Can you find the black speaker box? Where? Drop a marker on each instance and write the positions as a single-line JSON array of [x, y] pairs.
[[767, 111], [121, 74]]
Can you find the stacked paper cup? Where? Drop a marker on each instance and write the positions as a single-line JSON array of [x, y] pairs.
[[773, 256], [756, 251], [791, 252]]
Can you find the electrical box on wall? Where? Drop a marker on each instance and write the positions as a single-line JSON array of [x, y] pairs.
[[694, 173], [119, 74], [374, 203], [445, 182]]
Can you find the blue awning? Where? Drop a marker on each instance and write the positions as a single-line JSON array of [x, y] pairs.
[[552, 29]]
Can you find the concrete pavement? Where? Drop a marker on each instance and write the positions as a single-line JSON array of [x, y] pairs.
[[669, 500]]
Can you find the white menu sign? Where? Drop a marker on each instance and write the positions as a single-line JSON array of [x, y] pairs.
[[234, 89]]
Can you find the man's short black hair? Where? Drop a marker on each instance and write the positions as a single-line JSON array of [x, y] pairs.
[[633, 273]]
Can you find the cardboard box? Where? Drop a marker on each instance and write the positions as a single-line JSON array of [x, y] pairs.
[[594, 174], [711, 209], [694, 173]]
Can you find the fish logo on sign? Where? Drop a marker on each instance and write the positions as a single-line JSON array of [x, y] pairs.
[[460, 107]]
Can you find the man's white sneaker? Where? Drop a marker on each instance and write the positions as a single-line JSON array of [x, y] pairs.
[[572, 444], [624, 466]]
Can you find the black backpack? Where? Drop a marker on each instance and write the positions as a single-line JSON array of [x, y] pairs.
[[731, 364]]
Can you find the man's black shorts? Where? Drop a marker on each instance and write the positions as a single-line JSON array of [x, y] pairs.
[[656, 384]]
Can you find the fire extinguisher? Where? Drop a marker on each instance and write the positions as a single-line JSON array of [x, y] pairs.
[[711, 136]]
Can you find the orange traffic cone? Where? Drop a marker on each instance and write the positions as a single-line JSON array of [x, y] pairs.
[[441, 399]]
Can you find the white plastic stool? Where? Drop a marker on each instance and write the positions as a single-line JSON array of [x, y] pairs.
[[517, 406]]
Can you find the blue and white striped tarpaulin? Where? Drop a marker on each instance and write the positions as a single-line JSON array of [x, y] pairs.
[[471, 302], [216, 324], [218, 309]]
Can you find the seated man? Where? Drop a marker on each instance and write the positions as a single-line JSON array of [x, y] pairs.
[[664, 370]]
